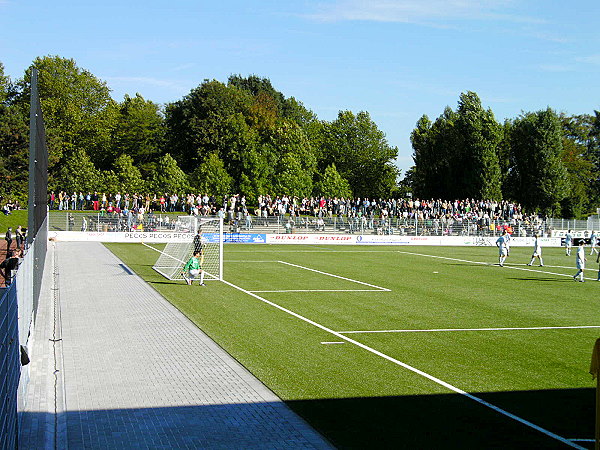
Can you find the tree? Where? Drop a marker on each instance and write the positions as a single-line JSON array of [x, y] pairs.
[[537, 174], [128, 176], [433, 145], [457, 155], [296, 161], [4, 85], [139, 132], [78, 110], [332, 184], [169, 177], [361, 154], [14, 154], [211, 177], [78, 173], [475, 161], [199, 124]]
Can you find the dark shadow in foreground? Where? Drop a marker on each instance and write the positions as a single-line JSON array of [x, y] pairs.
[[424, 421], [453, 421]]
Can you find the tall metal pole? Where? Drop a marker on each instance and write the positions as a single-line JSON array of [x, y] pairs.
[[33, 132]]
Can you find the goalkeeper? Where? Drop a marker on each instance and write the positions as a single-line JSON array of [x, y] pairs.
[[193, 268]]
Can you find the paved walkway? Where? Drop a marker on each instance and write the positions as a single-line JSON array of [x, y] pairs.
[[132, 372]]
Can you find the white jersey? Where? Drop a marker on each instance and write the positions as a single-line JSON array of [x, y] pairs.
[[502, 243], [568, 239], [580, 258], [537, 247]]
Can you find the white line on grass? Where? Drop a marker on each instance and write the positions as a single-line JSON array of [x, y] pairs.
[[490, 264], [434, 330], [412, 369], [247, 261], [336, 276], [324, 290]]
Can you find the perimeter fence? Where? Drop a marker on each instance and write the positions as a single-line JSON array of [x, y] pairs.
[[110, 222]]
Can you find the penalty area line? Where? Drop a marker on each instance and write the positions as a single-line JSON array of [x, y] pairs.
[[506, 266], [411, 368], [336, 276]]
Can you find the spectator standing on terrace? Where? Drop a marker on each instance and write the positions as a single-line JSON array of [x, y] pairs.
[[8, 238], [537, 251], [19, 237], [568, 242], [9, 265], [580, 260]]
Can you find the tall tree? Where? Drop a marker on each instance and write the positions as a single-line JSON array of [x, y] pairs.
[[128, 176], [332, 184], [198, 124], [4, 85], [169, 177], [78, 173], [434, 149], [537, 174], [361, 154], [139, 132], [211, 177], [457, 155], [475, 163], [78, 110]]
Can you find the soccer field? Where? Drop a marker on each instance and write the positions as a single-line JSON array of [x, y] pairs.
[[416, 347]]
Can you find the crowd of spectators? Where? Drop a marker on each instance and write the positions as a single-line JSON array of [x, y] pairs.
[[436, 215]]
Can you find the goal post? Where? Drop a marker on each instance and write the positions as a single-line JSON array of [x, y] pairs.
[[201, 234]]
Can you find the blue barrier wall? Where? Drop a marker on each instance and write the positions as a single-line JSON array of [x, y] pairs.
[[10, 367]]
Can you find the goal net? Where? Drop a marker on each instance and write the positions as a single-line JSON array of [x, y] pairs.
[[205, 235]]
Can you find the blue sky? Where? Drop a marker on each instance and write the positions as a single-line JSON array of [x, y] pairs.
[[396, 59]]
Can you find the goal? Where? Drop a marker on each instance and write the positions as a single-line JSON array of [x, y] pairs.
[[201, 234]]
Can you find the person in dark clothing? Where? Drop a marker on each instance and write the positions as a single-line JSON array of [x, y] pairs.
[[19, 237], [8, 239], [8, 266], [198, 246]]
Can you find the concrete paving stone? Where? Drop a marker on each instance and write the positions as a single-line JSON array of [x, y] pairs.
[[138, 374]]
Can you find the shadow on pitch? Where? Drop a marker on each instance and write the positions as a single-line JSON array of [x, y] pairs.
[[418, 421], [452, 420], [553, 280]]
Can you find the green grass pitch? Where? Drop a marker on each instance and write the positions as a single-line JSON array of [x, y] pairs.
[[513, 337]]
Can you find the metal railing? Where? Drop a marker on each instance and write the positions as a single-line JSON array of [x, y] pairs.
[[107, 222]]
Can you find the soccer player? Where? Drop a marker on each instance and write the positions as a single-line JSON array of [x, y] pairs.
[[568, 242], [580, 260], [193, 268], [502, 244], [537, 251], [593, 242]]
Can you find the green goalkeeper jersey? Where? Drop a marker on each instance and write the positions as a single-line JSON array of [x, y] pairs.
[[192, 264]]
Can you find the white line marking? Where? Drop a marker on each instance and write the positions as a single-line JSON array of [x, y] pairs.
[[324, 290], [433, 330], [506, 266], [330, 343], [336, 276], [412, 369], [247, 261], [583, 440]]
